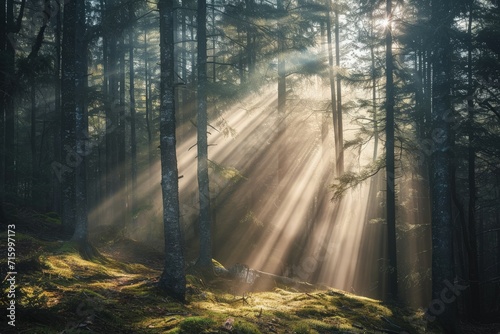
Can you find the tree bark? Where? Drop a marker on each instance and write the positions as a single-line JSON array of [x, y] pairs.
[[389, 160], [68, 98], [173, 279], [281, 153], [443, 272], [474, 306], [205, 222], [13, 26], [133, 139], [374, 90], [340, 148], [56, 184], [3, 82], [81, 128], [331, 74]]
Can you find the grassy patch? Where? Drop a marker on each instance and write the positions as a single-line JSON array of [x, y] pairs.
[[63, 292], [196, 325]]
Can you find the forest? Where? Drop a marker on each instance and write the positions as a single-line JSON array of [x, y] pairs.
[[250, 166]]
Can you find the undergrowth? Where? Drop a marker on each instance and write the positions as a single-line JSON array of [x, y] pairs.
[[59, 292]]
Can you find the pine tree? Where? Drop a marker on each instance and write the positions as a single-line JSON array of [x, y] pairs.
[[173, 279]]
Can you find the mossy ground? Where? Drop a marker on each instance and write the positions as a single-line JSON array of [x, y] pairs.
[[59, 292]]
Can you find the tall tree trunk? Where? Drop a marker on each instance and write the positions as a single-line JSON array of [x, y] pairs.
[[214, 41], [133, 139], [123, 208], [3, 83], [340, 148], [56, 184], [389, 160], [205, 221], [281, 154], [34, 169], [183, 108], [81, 129], [374, 88], [147, 83], [443, 272], [250, 32], [68, 97], [281, 65], [13, 27], [331, 74], [111, 37], [475, 292], [173, 279]]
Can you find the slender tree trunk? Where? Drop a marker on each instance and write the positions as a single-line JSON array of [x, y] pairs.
[[173, 279], [133, 139], [331, 73], [147, 83], [56, 184], [214, 40], [205, 222], [390, 166], [475, 291], [13, 27], [281, 66], [3, 82], [340, 149], [282, 149], [250, 4], [183, 92], [68, 96], [34, 168], [123, 203], [81, 129], [443, 272], [374, 89]]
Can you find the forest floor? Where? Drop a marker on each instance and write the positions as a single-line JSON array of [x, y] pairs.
[[59, 292]]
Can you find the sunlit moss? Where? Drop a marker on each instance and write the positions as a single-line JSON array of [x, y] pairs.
[[196, 325], [243, 327], [303, 328], [123, 297]]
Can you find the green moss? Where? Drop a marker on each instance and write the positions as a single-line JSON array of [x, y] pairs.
[[50, 218], [193, 325], [217, 264], [302, 328], [243, 327], [124, 298], [311, 312]]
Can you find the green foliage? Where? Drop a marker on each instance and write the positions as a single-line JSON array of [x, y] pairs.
[[50, 218], [351, 179], [33, 298], [243, 327], [226, 172], [252, 218], [302, 328], [196, 325]]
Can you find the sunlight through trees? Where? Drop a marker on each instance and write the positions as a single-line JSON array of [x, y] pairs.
[[353, 144]]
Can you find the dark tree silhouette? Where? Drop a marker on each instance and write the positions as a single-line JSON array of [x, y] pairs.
[[389, 159], [205, 219], [173, 279]]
